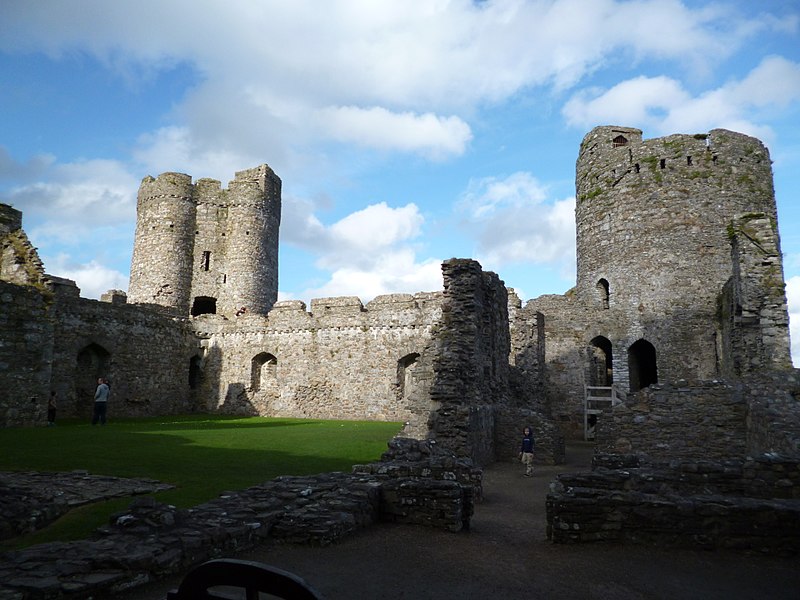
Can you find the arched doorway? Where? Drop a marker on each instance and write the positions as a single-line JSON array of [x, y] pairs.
[[263, 371], [642, 365], [601, 367], [92, 363]]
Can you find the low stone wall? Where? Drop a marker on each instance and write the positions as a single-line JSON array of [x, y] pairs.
[[677, 420], [417, 484], [773, 418], [745, 505]]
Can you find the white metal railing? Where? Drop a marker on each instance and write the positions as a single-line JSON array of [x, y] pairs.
[[596, 399]]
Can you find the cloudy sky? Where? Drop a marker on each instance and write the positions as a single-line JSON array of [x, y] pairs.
[[405, 133]]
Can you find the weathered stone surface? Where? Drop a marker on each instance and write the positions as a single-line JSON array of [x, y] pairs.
[[418, 484], [32, 500], [750, 506]]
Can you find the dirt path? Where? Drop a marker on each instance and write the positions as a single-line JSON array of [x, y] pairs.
[[505, 554]]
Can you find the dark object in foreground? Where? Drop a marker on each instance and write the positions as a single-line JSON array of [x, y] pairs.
[[252, 577]]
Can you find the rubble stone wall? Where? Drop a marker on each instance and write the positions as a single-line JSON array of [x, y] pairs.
[[745, 505]]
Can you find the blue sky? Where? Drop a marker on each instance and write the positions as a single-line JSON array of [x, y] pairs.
[[405, 133]]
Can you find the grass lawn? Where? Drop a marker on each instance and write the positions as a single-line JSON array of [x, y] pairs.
[[202, 455]]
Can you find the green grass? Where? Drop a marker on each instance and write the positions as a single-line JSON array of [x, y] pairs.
[[202, 455]]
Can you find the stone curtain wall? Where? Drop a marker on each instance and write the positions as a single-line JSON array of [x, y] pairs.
[[145, 355], [471, 365], [340, 361], [676, 420], [26, 354]]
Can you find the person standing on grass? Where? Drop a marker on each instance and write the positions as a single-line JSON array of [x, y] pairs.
[[526, 452], [100, 402], [52, 404]]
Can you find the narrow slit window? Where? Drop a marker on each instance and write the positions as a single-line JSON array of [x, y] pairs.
[[689, 160], [206, 260], [663, 163]]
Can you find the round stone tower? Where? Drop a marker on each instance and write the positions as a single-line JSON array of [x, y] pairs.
[[201, 249], [653, 237], [161, 268]]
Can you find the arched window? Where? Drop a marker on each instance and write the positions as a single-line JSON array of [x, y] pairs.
[[204, 305], [603, 292], [263, 370], [642, 366], [620, 140]]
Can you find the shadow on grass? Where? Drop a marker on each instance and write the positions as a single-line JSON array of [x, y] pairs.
[[201, 456]]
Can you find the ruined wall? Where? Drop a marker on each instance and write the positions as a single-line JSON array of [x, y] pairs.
[[752, 308], [202, 249], [741, 505], [471, 360], [678, 420], [341, 360], [145, 355], [26, 350]]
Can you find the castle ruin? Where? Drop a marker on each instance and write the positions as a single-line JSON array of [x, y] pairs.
[[679, 279]]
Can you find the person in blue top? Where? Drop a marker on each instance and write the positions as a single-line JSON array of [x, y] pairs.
[[526, 452]]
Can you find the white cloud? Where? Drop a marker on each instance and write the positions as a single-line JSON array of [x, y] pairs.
[[92, 278], [429, 134], [793, 299], [662, 104], [513, 223], [392, 272], [274, 75], [368, 252], [79, 195]]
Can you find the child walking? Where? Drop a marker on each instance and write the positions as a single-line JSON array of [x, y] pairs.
[[526, 452]]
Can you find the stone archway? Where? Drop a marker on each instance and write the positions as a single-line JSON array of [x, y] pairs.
[[93, 362], [642, 365]]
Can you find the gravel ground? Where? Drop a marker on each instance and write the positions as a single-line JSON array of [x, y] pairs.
[[506, 554]]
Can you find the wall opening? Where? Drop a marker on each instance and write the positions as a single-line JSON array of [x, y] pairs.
[[620, 140], [662, 163], [263, 371], [405, 375], [93, 362], [195, 372], [206, 262], [204, 305], [601, 372], [603, 293], [642, 365]]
